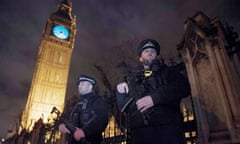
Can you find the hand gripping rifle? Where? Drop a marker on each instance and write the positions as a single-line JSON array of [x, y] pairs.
[[70, 126], [138, 86]]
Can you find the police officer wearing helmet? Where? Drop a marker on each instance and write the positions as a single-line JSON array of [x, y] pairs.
[[159, 105], [88, 114]]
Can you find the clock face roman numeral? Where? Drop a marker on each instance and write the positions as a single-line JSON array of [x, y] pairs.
[[60, 32]]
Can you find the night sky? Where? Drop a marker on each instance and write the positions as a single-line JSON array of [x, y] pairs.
[[101, 26]]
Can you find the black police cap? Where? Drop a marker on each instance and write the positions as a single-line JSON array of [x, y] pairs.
[[148, 43], [86, 78]]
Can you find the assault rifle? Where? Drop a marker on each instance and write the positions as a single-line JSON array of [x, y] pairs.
[[70, 126], [138, 86]]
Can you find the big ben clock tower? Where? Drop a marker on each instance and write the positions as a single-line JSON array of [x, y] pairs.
[[50, 76]]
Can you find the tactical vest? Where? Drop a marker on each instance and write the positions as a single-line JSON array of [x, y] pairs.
[[81, 113]]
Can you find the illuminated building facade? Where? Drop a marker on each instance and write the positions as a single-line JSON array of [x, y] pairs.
[[49, 83]]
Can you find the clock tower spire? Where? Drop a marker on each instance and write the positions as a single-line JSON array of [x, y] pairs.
[[50, 76]]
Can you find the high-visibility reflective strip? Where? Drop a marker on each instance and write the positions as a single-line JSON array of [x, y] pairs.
[[147, 73]]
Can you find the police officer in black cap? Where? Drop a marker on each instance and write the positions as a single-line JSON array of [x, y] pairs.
[[161, 121], [88, 115]]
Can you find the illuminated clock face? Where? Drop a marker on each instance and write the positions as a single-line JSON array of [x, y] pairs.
[[60, 32]]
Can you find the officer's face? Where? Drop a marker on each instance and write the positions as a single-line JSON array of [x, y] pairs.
[[84, 87], [147, 56]]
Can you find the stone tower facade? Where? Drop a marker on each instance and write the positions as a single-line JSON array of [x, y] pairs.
[[50, 76], [215, 82]]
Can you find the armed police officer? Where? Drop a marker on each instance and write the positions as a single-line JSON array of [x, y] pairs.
[[154, 106], [87, 118]]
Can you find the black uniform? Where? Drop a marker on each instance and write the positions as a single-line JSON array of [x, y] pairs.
[[89, 113], [163, 122]]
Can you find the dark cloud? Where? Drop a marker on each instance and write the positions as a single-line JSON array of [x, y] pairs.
[[101, 26]]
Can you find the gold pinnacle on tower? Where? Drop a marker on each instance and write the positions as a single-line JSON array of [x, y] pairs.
[[50, 76]]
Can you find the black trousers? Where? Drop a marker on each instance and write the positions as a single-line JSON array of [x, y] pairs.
[[164, 134]]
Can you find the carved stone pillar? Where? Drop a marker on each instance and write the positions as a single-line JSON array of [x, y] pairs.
[[214, 82]]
